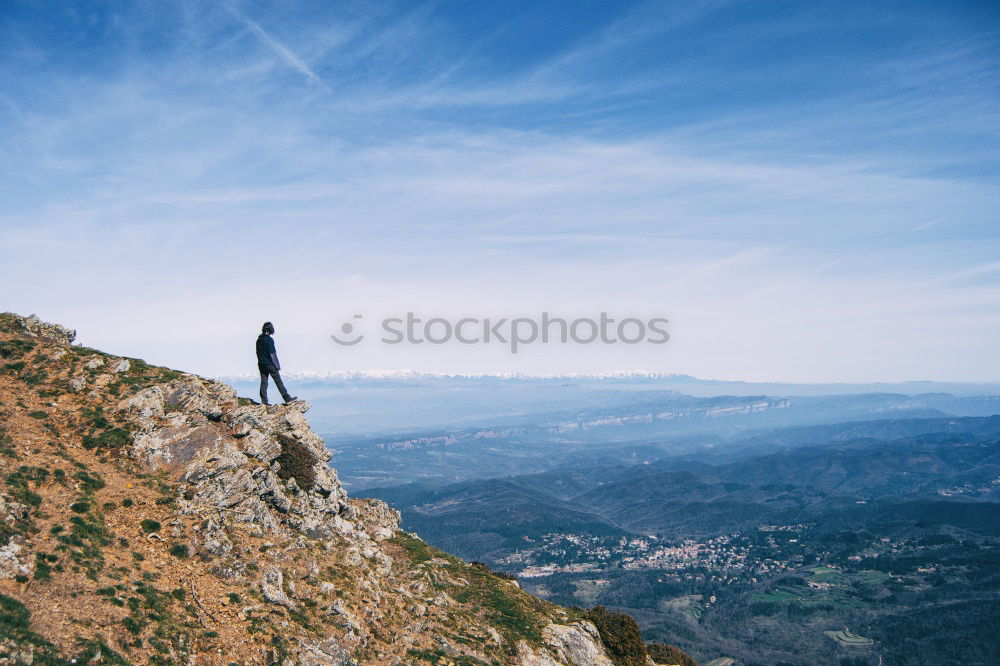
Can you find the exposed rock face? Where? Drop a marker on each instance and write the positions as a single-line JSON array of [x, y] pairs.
[[324, 653], [35, 328], [259, 465], [578, 643], [14, 561], [311, 576], [272, 586]]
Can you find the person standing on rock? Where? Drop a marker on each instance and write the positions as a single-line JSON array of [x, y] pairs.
[[267, 363]]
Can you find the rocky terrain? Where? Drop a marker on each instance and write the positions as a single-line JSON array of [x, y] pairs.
[[152, 516]]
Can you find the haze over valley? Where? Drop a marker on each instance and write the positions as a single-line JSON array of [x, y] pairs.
[[802, 526]]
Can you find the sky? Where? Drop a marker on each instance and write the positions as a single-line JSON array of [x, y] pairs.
[[807, 191]]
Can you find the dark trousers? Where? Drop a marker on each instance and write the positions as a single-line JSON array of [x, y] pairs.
[[265, 371]]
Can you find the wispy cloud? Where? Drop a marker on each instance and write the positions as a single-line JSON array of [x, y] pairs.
[[647, 158], [283, 52], [646, 21]]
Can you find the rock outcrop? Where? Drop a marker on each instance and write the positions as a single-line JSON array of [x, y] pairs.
[[259, 465], [33, 327], [155, 516]]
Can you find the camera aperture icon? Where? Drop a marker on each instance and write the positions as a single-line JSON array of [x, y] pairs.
[[347, 329]]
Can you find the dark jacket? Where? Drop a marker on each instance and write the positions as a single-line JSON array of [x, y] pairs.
[[266, 354]]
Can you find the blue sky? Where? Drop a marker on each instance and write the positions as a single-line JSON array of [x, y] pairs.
[[809, 191]]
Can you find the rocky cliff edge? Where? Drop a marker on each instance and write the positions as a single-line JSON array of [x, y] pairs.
[[152, 516]]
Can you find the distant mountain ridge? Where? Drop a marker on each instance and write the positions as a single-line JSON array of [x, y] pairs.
[[938, 458], [647, 426], [640, 377]]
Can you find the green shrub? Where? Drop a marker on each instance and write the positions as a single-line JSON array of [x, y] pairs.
[[418, 551], [133, 625], [37, 475], [482, 566], [89, 482], [115, 438], [620, 635], [138, 365], [96, 418], [84, 543], [297, 462], [167, 375], [15, 348], [38, 414], [15, 626], [35, 378], [6, 445], [661, 653], [516, 615], [96, 652], [43, 570], [13, 368], [15, 616], [19, 481], [148, 525], [180, 550]]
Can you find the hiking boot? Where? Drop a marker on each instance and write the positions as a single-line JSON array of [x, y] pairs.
[[291, 399]]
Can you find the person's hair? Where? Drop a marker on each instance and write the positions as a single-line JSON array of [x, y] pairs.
[[268, 328]]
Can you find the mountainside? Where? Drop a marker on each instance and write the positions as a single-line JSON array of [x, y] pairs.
[[865, 543], [955, 458], [608, 427], [152, 516], [477, 518]]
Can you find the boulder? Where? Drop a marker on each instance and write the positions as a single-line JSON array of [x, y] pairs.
[[12, 511], [272, 587], [14, 560], [326, 652], [576, 644]]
